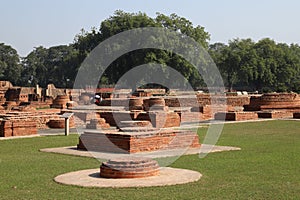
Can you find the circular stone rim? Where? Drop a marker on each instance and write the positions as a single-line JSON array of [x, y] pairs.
[[91, 178]]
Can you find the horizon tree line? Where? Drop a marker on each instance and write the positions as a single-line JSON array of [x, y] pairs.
[[264, 66]]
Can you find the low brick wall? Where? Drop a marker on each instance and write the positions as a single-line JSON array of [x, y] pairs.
[[120, 142], [274, 101], [17, 127], [187, 101], [40, 117], [158, 119], [236, 116], [275, 114]]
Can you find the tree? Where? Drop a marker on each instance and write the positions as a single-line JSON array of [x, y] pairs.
[[294, 81], [122, 21], [34, 67], [54, 65], [10, 68], [264, 66], [236, 61]]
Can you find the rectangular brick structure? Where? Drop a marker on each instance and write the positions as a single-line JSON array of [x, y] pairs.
[[158, 119], [17, 127], [236, 116], [275, 114], [120, 142]]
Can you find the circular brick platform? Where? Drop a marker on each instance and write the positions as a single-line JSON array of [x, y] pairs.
[[91, 178], [129, 167]]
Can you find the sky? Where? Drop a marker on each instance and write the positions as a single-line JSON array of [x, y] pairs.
[[31, 23]]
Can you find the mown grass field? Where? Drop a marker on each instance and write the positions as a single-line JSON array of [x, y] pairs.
[[267, 167]]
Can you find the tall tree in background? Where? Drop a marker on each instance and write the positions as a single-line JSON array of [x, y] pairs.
[[54, 65], [236, 61], [122, 21], [294, 65], [10, 67], [264, 66], [34, 67], [244, 64]]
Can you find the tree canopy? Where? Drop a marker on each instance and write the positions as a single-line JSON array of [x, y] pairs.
[[244, 64], [263, 66], [10, 67]]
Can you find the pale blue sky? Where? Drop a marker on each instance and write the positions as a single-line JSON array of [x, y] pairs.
[[31, 23]]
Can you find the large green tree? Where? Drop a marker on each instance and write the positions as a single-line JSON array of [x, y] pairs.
[[10, 67], [122, 21], [236, 61], [54, 65], [244, 64], [264, 66]]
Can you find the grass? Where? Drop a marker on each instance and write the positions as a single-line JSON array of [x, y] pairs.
[[267, 167]]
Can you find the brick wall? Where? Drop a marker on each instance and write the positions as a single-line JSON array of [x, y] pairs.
[[187, 101], [132, 143], [236, 116], [274, 101], [275, 114], [17, 127], [158, 119]]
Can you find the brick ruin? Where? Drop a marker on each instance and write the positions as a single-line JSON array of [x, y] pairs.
[[144, 123], [274, 105], [274, 101], [150, 128], [129, 167], [17, 127], [24, 110], [133, 140], [141, 109], [20, 123]]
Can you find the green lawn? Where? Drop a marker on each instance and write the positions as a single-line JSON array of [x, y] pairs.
[[267, 167]]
